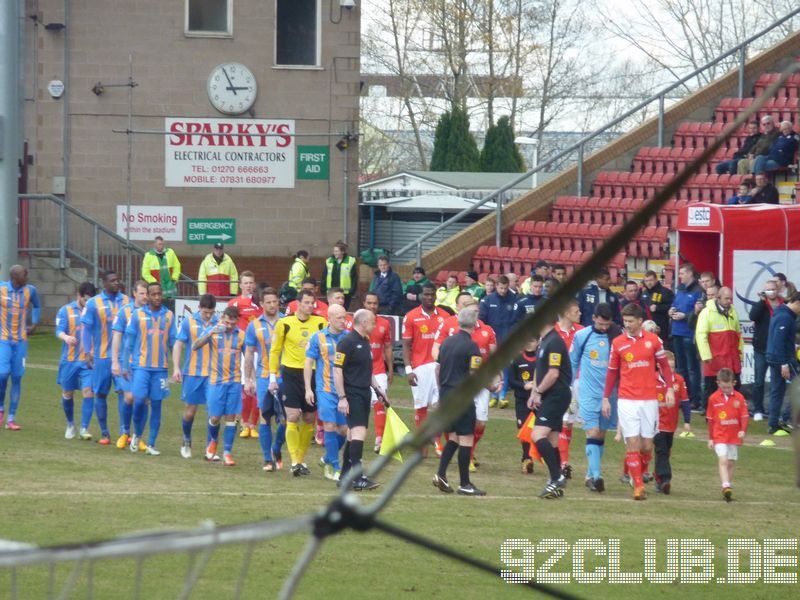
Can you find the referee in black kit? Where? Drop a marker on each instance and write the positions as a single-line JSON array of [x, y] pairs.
[[458, 356], [352, 376], [551, 395]]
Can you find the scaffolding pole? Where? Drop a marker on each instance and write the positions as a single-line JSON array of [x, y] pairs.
[[10, 138]]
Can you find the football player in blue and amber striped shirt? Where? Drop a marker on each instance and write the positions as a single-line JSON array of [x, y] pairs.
[[226, 343], [97, 319], [258, 339], [72, 372], [17, 297], [148, 337], [196, 367], [123, 385]]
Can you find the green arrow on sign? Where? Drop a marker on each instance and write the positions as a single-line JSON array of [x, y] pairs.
[[208, 231]]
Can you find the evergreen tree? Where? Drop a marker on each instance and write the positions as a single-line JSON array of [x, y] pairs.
[[462, 151], [500, 154], [440, 142]]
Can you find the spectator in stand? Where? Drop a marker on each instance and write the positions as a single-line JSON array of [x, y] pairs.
[[729, 166], [297, 273], [761, 147], [542, 269], [781, 152], [764, 192], [340, 272], [388, 287], [760, 314], [743, 197], [687, 361], [161, 265], [550, 286], [413, 289], [598, 291], [513, 283], [719, 340], [490, 286], [473, 286], [446, 295], [559, 273], [782, 361], [218, 275], [632, 294], [658, 300]]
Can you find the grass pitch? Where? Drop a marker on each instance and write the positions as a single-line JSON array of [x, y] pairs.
[[55, 491]]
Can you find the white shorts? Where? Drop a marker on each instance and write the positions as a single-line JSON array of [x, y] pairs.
[[383, 383], [638, 417], [482, 406], [426, 392], [729, 451]]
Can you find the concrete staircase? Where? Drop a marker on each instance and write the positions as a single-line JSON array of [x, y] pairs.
[[56, 286]]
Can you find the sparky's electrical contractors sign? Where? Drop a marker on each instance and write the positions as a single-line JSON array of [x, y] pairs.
[[229, 153]]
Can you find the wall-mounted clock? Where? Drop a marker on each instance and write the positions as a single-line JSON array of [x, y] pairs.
[[232, 88]]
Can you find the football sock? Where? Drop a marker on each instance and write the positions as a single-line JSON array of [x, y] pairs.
[[464, 453], [139, 415], [356, 452], [332, 449], [255, 413], [293, 441], [345, 457], [448, 453], [69, 409], [265, 439], [593, 458], [87, 409], [420, 415], [686, 408], [477, 435], [101, 410], [280, 438], [187, 429], [229, 436], [379, 419], [564, 438], [155, 422], [634, 462], [726, 484], [120, 409], [559, 462], [526, 450], [16, 393], [213, 432], [247, 408], [550, 457], [125, 417], [306, 433], [645, 458], [341, 439], [3, 386]]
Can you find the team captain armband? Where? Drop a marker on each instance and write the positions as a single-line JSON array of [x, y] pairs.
[[554, 359], [474, 362], [338, 360]]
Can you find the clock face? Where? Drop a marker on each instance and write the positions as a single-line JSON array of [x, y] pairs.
[[232, 88]]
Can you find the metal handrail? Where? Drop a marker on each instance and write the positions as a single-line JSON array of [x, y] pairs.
[[579, 146]]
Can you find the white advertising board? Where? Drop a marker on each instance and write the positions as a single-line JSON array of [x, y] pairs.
[[146, 222]]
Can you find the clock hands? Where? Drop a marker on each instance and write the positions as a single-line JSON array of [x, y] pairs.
[[231, 87]]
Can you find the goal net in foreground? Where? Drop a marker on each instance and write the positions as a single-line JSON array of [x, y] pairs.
[[130, 566]]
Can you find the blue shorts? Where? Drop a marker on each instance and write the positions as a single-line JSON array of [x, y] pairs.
[[12, 358], [590, 410], [122, 384], [101, 376], [327, 410], [224, 399], [152, 384], [194, 389], [74, 376]]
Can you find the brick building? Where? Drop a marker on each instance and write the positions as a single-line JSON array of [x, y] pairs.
[[186, 56]]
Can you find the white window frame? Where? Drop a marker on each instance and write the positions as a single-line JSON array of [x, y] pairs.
[[318, 58], [207, 34]]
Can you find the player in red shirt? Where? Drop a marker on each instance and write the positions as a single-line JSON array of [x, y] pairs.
[[568, 324], [381, 341], [633, 359], [249, 310], [418, 332], [320, 308], [727, 418], [667, 424], [486, 340]]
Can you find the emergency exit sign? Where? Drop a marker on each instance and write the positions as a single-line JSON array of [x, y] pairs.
[[210, 231], [313, 162]]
